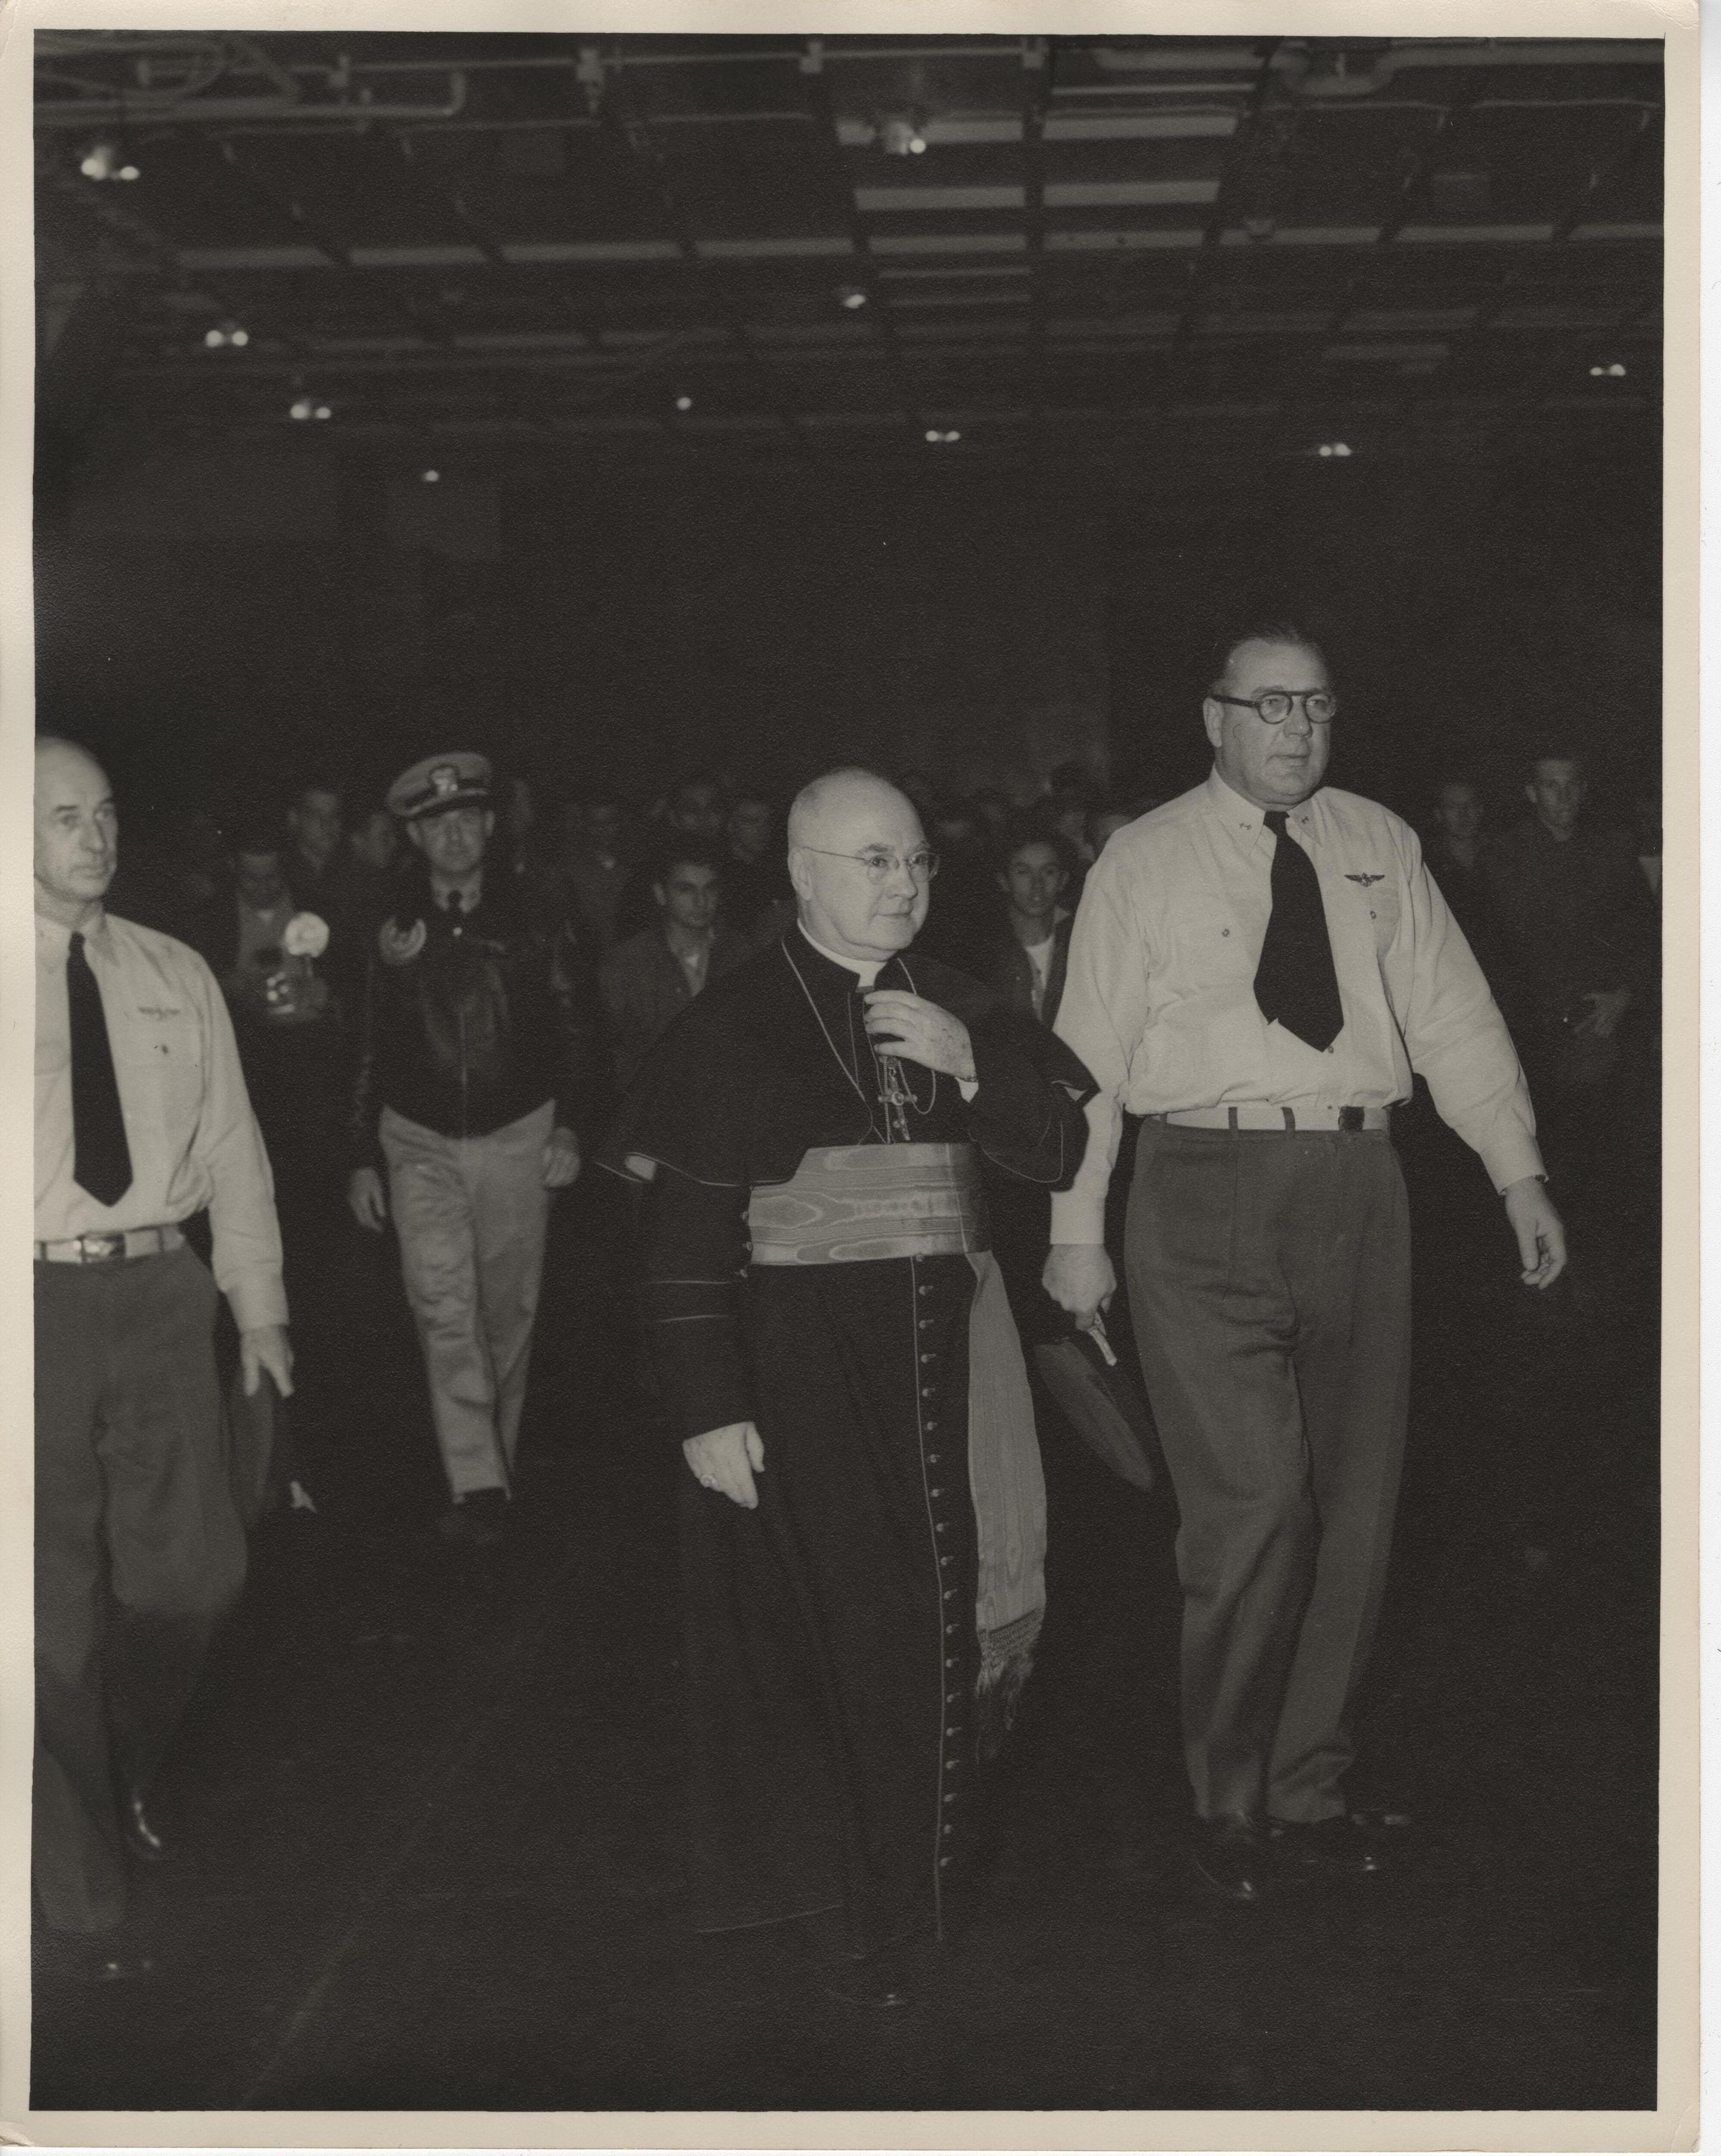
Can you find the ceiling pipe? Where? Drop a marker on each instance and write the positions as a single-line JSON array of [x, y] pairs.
[[1344, 83], [1386, 66], [141, 110]]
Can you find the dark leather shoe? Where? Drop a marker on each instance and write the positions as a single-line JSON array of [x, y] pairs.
[[1346, 1846], [1232, 1857], [141, 1837]]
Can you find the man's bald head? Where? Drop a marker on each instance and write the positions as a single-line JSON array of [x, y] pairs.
[[52, 749], [77, 831], [835, 796], [835, 826]]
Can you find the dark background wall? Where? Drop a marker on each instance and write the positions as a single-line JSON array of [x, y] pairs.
[[216, 624], [1471, 611]]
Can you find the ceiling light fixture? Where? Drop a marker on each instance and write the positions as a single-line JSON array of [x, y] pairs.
[[307, 408], [1333, 450], [1614, 370], [105, 160], [228, 333], [430, 478], [942, 434], [684, 404], [852, 296], [899, 137]]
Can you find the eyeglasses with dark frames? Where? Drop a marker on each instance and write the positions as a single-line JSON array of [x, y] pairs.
[[1320, 706]]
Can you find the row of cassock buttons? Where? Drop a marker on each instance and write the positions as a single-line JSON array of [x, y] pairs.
[[951, 1730]]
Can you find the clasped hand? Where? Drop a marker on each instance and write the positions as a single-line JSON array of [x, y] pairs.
[[920, 1032]]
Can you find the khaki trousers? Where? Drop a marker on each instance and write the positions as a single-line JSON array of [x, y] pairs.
[[139, 1553], [1270, 1287], [471, 1214]]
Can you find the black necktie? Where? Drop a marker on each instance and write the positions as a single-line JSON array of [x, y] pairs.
[[1295, 982], [101, 1159]]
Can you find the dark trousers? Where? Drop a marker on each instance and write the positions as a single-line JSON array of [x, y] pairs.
[[1269, 1282], [139, 1553]]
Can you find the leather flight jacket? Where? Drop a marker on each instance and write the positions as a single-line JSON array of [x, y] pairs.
[[472, 1020]]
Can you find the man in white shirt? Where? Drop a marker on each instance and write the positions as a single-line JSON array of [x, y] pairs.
[[141, 1121], [1029, 968], [1256, 969]]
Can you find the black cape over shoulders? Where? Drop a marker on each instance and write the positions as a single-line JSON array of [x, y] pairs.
[[740, 1086]]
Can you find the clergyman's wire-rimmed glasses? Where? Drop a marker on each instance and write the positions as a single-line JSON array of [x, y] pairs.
[[1320, 706], [923, 864]]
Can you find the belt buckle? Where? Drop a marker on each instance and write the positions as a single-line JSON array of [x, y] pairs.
[[1350, 1119], [99, 1249]]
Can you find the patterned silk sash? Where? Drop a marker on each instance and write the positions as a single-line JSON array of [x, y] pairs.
[[848, 1204]]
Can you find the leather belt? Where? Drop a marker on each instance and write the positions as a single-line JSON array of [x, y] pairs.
[[1263, 1115], [111, 1250]]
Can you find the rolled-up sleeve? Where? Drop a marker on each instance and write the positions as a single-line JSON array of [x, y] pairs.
[[229, 1147], [1456, 1038], [1104, 1010]]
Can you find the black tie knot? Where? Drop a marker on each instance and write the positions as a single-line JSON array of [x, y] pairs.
[[1274, 818]]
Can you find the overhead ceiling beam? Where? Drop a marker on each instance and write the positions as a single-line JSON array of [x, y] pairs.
[[423, 320], [1237, 164], [1606, 179], [840, 194], [627, 131], [95, 201], [1414, 167], [1038, 60]]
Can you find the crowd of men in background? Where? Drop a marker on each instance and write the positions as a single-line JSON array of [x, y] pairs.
[[655, 900], [1560, 903]]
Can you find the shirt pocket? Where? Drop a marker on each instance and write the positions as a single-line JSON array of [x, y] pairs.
[[1205, 947], [1205, 1031], [159, 1058]]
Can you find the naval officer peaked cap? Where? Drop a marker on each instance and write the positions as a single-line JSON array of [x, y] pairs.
[[439, 782]]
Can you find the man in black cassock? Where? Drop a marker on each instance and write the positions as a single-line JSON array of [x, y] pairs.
[[863, 1522]]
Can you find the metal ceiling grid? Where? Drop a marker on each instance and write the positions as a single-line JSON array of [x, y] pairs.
[[533, 234]]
